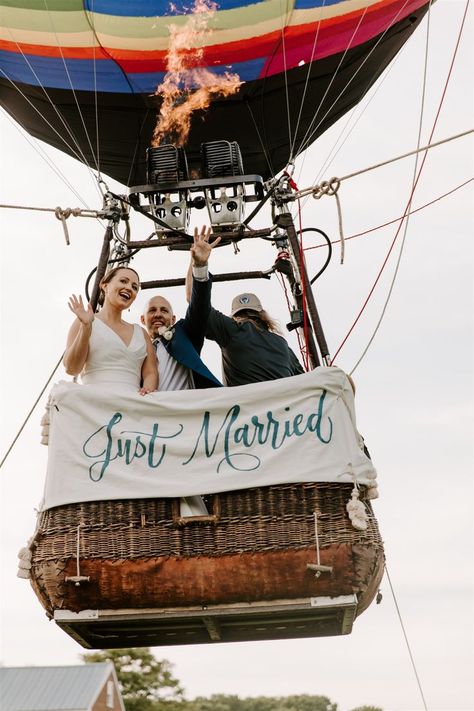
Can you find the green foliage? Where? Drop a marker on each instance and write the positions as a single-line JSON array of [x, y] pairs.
[[222, 702], [146, 683]]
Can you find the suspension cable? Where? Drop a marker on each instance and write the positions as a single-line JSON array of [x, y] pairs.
[[359, 107], [66, 69], [391, 222], [44, 156], [310, 60], [406, 639], [79, 154], [317, 188], [283, 28], [407, 207], [31, 411], [307, 139], [309, 132]]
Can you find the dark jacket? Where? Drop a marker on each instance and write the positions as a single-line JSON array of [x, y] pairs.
[[188, 338]]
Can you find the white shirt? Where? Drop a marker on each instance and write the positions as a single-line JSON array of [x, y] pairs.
[[174, 375]]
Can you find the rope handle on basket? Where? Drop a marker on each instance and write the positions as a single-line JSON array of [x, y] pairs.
[[78, 578], [317, 567]]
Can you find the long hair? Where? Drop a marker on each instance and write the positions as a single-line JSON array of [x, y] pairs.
[[260, 319], [108, 277]]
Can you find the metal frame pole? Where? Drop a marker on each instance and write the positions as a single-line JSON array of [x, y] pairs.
[[285, 221], [102, 265]]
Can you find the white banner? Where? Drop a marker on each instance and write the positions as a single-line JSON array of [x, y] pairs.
[[107, 444]]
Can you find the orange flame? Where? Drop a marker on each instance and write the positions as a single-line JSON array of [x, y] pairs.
[[187, 87]]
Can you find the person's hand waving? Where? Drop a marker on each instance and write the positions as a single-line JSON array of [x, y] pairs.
[[201, 249], [85, 316]]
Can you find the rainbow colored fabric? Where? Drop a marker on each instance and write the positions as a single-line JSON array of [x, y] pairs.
[[121, 46]]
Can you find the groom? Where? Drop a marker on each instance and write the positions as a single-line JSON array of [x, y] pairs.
[[179, 343]]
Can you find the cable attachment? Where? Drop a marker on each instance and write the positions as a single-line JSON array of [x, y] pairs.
[[78, 578], [62, 215], [326, 187], [317, 567], [331, 187], [103, 187], [112, 208]]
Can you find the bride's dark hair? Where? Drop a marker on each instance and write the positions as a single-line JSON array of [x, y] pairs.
[[108, 277]]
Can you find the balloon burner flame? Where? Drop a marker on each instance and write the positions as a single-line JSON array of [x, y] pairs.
[[188, 87]]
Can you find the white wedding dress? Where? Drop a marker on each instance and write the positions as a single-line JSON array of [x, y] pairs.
[[111, 362]]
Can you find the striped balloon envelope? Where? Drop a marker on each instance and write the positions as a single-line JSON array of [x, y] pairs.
[[82, 75]]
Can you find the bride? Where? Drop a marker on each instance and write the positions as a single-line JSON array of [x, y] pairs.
[[104, 348]]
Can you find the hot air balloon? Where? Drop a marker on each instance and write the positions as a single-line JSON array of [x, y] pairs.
[[83, 75], [266, 562]]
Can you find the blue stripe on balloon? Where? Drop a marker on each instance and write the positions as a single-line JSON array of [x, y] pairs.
[[308, 4], [50, 73], [248, 71], [156, 8]]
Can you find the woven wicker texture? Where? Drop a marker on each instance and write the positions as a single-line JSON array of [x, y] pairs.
[[251, 520]]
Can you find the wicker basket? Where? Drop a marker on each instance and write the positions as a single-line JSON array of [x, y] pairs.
[[255, 546]]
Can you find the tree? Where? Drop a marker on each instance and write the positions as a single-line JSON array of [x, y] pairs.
[[367, 708], [221, 702], [146, 683]]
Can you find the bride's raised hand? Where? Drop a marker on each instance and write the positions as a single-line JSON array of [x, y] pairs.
[[85, 315]]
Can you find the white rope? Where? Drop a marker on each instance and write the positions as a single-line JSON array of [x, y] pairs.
[[310, 61], [341, 139], [408, 207], [30, 412], [44, 156], [307, 141], [406, 639], [309, 132], [66, 69], [283, 28], [58, 211], [317, 188], [331, 188], [262, 144], [79, 154]]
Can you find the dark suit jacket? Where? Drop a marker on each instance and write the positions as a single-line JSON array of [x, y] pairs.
[[188, 338]]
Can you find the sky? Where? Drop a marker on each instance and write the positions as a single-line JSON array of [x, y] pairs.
[[414, 385]]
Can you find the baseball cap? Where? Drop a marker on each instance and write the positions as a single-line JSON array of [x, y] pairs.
[[245, 301]]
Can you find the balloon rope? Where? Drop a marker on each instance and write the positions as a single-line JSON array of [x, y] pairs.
[[391, 222], [94, 63], [71, 85], [309, 60], [342, 139], [75, 153], [282, 283], [44, 156], [413, 188], [283, 27], [406, 639], [311, 131], [262, 144], [393, 160], [79, 154], [348, 46], [30, 412], [407, 209]]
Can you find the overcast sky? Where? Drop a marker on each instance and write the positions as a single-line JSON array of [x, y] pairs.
[[414, 386]]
